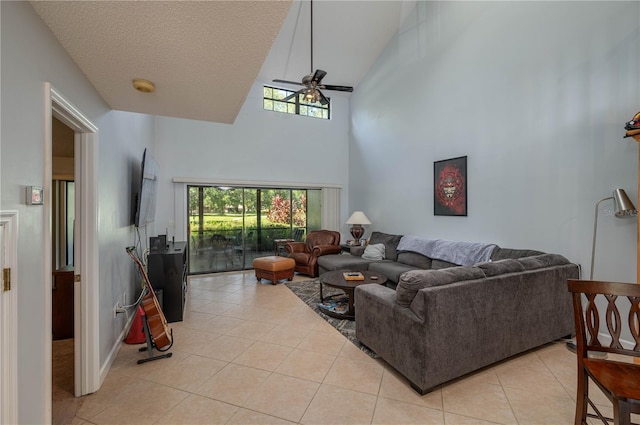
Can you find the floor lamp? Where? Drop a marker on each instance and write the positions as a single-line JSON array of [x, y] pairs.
[[623, 208]]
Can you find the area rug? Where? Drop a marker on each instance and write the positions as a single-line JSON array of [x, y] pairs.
[[309, 292]]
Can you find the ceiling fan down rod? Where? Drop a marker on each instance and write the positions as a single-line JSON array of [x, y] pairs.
[[311, 25]]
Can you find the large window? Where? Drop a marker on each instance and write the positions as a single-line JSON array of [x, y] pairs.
[[297, 105], [230, 226]]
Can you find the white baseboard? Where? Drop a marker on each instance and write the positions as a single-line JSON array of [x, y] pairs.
[[113, 353]]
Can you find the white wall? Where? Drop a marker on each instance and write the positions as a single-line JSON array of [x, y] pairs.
[[260, 146], [536, 94], [123, 138], [31, 56]]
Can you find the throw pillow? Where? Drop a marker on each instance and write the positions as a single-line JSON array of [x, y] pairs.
[[374, 252], [390, 242]]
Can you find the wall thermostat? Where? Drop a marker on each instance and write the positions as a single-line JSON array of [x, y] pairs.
[[35, 195]]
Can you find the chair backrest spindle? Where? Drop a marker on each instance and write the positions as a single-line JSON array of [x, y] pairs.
[[600, 327], [604, 302]]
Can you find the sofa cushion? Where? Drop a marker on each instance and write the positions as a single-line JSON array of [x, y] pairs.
[[391, 269], [494, 268], [374, 252], [414, 259], [441, 264], [390, 243], [504, 253], [412, 281], [342, 262], [541, 261]]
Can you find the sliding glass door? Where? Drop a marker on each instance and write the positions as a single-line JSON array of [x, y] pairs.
[[230, 226]]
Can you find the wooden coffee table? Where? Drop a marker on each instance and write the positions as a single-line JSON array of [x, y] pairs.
[[335, 279]]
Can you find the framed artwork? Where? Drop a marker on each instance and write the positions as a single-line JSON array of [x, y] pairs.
[[450, 187]]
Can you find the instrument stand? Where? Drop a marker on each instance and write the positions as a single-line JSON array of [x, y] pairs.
[[150, 345]]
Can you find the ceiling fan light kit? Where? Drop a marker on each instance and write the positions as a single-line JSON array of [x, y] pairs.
[[310, 96], [312, 82]]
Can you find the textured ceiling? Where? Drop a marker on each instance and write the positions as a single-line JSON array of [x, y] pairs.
[[204, 56]]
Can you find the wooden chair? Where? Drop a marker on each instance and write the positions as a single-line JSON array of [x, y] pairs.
[[615, 373], [221, 247], [297, 234]]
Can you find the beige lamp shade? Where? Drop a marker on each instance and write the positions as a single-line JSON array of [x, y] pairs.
[[358, 217]]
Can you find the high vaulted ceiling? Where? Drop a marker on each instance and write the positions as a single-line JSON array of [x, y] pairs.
[[204, 56]]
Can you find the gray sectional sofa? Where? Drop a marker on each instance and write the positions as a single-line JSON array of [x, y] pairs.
[[442, 321], [396, 262]]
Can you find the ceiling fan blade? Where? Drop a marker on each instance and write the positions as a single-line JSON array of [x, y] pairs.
[[318, 76], [323, 99], [292, 95], [337, 88], [287, 82]]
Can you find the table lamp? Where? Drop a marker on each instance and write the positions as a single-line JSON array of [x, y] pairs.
[[357, 219]]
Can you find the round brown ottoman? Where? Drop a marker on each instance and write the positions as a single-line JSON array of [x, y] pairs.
[[274, 268]]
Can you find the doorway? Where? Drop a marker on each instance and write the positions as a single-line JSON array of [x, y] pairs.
[[86, 364], [62, 289]]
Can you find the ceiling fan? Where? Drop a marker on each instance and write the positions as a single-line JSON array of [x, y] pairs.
[[312, 83]]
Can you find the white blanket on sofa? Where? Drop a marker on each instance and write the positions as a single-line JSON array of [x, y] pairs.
[[462, 253]]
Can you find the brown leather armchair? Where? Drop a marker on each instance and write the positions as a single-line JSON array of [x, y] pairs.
[[305, 254]]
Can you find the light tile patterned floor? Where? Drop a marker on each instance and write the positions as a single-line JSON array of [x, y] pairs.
[[253, 353]]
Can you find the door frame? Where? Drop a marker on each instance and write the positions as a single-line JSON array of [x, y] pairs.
[[86, 289], [9, 320]]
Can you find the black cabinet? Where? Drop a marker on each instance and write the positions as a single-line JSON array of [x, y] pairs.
[[167, 270]]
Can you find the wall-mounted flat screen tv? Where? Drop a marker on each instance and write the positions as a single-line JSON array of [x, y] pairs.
[[147, 191]]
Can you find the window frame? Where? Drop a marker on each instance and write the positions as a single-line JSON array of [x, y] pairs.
[[297, 103]]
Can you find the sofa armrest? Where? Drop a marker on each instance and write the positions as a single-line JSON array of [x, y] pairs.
[[292, 247], [319, 250], [377, 303], [393, 332], [380, 294]]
